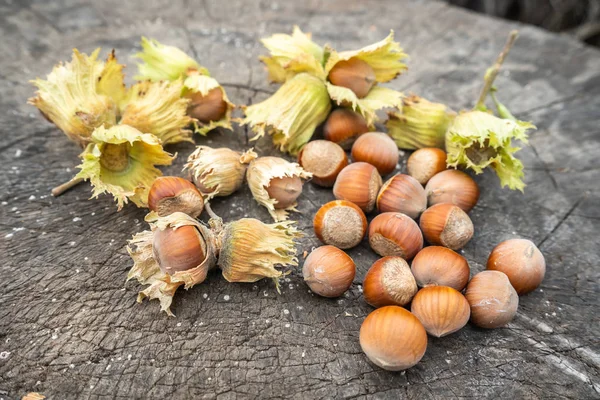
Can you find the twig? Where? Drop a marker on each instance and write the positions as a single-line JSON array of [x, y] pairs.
[[210, 212], [492, 72], [60, 189]]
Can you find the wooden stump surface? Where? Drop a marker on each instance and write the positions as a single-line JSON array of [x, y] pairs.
[[71, 329]]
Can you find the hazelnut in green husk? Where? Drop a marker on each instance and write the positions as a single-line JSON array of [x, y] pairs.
[[419, 123], [208, 105], [292, 114], [121, 161], [352, 77], [477, 140]]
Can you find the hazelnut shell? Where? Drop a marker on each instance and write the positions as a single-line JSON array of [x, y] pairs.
[[340, 223]]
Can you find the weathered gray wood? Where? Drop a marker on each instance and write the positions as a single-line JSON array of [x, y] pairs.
[[71, 330]]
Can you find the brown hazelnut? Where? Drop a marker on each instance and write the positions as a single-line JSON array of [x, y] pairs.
[[211, 107], [389, 282], [437, 265], [454, 187], [393, 338], [359, 183], [425, 163], [328, 271], [492, 298], [340, 223], [395, 234], [446, 225], [324, 159], [377, 149], [354, 74], [343, 126], [402, 193], [169, 194], [178, 249], [441, 309], [521, 261], [285, 190]]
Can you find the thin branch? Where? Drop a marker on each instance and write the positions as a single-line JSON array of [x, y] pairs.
[[60, 189], [492, 72]]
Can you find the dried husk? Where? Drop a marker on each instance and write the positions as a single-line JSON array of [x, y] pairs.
[[292, 114], [477, 140], [419, 123], [220, 170], [251, 250], [164, 63], [121, 161], [159, 109], [81, 95], [260, 173], [291, 55], [146, 271]]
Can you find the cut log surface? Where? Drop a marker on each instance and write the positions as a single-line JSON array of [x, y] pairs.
[[71, 329]]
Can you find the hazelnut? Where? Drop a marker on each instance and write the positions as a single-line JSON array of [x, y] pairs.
[[359, 183], [285, 190], [377, 149], [446, 225], [211, 107], [454, 187], [492, 298], [389, 282], [324, 159], [437, 265], [393, 338], [340, 223], [169, 194], [441, 309], [402, 193], [395, 234], [328, 271], [521, 261], [354, 74], [425, 163], [343, 126], [178, 249]]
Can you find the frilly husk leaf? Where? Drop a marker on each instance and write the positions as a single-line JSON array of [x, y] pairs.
[[143, 152], [222, 170], [259, 175], [476, 140], [291, 55], [378, 98], [203, 84], [111, 82], [292, 114], [75, 95], [164, 63], [385, 57], [419, 123], [157, 108], [251, 250], [146, 270]]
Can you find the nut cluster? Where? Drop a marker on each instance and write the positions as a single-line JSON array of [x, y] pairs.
[[423, 214]]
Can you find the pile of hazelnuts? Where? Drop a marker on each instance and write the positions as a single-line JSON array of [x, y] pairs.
[[436, 283]]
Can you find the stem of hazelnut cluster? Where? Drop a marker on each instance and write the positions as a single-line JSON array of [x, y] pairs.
[[60, 189], [210, 212], [492, 72]]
